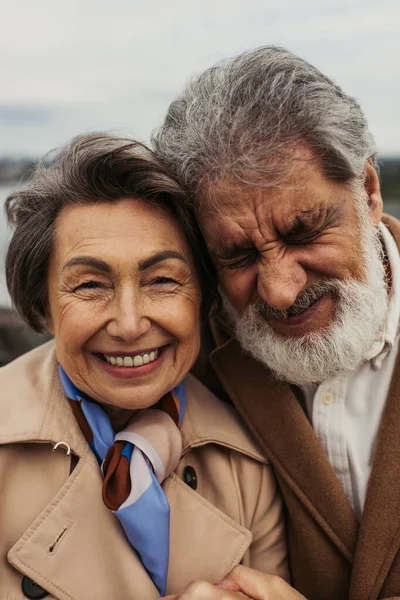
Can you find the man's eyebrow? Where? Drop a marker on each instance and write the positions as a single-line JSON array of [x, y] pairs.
[[88, 261], [232, 250], [303, 220], [159, 257]]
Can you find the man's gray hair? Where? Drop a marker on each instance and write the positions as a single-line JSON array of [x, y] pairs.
[[242, 118]]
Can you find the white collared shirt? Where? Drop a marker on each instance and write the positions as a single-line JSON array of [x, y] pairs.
[[346, 411]]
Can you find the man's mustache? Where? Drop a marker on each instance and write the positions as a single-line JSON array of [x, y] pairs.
[[304, 300]]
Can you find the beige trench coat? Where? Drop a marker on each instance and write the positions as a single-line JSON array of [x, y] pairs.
[[56, 531]]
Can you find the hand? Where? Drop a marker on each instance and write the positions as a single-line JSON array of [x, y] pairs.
[[203, 590], [240, 584], [258, 586]]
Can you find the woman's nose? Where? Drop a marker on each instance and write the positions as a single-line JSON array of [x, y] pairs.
[[279, 284], [128, 321]]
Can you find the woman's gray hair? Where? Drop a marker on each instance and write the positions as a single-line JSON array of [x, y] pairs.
[[242, 118], [92, 169]]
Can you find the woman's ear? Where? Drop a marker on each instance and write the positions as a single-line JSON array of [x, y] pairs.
[[373, 189], [48, 322]]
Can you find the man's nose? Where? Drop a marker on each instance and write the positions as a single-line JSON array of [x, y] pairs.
[[280, 283], [128, 320]]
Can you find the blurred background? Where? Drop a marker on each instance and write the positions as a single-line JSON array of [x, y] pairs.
[[85, 65]]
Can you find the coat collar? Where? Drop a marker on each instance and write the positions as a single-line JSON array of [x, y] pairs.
[[36, 406], [37, 410], [209, 421]]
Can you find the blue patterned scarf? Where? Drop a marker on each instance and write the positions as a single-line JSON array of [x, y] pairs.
[[134, 462]]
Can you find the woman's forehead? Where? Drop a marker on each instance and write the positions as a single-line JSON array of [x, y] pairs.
[[128, 226]]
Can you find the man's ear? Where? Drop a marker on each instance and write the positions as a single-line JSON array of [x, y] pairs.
[[373, 189]]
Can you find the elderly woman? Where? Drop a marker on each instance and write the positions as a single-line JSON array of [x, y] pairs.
[[121, 475]]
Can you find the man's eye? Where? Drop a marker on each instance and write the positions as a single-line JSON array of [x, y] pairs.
[[300, 239], [240, 262]]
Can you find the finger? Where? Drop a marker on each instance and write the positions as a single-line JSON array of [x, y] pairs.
[[259, 586], [253, 583], [202, 590]]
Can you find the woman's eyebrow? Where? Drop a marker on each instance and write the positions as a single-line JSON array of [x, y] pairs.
[[88, 261], [100, 265], [159, 257]]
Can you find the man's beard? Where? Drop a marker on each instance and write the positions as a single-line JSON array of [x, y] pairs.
[[341, 347]]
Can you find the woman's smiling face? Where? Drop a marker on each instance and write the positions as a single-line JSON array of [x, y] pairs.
[[123, 289]]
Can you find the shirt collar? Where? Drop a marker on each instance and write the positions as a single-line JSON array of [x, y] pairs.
[[382, 346]]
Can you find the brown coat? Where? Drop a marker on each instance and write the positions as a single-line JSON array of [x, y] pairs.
[[331, 555], [55, 529]]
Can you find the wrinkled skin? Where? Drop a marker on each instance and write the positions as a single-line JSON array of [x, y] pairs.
[[272, 243], [122, 282]]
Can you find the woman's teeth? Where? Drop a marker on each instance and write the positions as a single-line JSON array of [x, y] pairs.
[[132, 361]]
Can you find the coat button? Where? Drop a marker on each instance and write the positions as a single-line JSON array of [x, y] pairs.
[[190, 477], [32, 590]]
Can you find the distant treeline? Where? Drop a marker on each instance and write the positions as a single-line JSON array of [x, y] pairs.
[[12, 170], [15, 170], [390, 177]]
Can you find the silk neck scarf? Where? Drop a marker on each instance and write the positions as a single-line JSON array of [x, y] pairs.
[[134, 462]]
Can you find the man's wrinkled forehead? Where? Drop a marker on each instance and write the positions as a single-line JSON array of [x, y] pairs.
[[231, 195], [229, 201], [227, 198]]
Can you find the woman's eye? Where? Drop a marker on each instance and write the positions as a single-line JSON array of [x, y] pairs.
[[88, 285], [164, 280]]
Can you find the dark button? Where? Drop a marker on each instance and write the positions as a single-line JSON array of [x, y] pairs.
[[32, 590], [190, 477]]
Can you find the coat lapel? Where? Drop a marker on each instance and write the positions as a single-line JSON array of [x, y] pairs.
[[76, 550], [379, 536], [203, 539], [270, 408]]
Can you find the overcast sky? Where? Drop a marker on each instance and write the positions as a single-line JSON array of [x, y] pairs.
[[83, 65]]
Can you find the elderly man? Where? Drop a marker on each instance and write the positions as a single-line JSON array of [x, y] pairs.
[[279, 164]]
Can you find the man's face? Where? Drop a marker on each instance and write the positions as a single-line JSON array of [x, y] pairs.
[[287, 253]]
